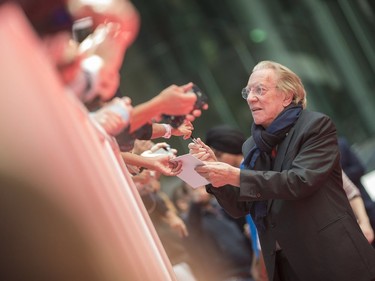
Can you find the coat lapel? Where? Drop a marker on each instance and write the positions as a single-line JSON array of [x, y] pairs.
[[280, 156], [282, 150]]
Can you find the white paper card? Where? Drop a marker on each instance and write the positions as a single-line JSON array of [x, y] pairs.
[[188, 174], [368, 182]]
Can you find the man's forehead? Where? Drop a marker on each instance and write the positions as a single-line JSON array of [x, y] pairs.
[[262, 75]]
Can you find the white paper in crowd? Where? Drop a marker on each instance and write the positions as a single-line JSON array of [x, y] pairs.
[[188, 174], [368, 182]]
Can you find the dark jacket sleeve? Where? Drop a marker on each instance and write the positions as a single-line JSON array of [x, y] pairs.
[[228, 198], [126, 140]]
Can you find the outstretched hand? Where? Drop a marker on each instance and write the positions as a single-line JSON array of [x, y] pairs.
[[110, 119], [165, 165], [201, 151], [185, 130]]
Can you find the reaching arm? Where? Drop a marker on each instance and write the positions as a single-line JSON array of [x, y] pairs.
[[358, 207], [160, 163], [173, 100], [166, 130], [363, 220]]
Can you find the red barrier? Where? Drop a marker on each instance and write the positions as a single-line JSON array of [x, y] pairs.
[[48, 140]]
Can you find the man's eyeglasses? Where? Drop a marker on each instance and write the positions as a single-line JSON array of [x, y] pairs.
[[256, 90]]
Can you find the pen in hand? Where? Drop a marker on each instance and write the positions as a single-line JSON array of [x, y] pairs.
[[196, 142], [202, 152], [199, 147], [194, 139]]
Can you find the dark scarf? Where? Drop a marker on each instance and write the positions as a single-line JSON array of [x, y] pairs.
[[265, 141]]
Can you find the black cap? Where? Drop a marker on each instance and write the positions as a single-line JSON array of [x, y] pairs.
[[225, 138]]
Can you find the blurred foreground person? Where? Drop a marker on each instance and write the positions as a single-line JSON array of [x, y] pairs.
[[291, 183]]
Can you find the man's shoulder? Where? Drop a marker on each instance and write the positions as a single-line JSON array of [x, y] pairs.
[[312, 123], [307, 114], [308, 118]]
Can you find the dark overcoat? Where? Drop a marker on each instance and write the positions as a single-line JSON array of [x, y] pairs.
[[308, 213]]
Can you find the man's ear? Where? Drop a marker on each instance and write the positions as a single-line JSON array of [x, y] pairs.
[[288, 98]]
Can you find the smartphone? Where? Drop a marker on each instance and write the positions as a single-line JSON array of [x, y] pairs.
[[90, 43], [163, 151], [82, 28]]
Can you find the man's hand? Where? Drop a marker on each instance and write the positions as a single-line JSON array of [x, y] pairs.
[[219, 173], [201, 151]]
